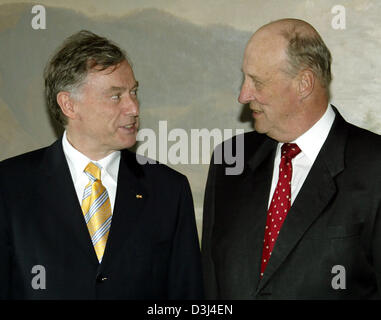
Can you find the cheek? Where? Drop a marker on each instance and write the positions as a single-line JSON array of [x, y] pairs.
[[100, 123], [106, 115], [265, 102], [260, 101], [267, 96]]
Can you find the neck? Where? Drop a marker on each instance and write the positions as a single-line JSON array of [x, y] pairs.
[[86, 148], [312, 113]]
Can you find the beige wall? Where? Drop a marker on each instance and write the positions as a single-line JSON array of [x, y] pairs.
[[187, 57]]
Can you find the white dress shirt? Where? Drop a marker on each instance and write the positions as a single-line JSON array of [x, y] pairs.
[[310, 144], [77, 163]]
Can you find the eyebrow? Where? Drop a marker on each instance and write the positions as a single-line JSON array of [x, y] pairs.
[[257, 80], [252, 76], [122, 89], [136, 85]]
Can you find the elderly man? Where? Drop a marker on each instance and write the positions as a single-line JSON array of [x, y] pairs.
[[303, 220], [82, 219]]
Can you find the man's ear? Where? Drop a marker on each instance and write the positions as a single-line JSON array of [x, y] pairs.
[[306, 83], [66, 103]]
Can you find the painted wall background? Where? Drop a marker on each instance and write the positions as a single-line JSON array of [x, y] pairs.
[[187, 57]]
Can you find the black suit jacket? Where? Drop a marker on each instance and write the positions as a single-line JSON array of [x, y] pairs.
[[152, 250], [334, 221]]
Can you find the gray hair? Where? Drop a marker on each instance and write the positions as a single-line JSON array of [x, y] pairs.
[[308, 50]]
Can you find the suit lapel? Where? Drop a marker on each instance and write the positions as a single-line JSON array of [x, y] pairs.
[[58, 192], [131, 197], [317, 191], [254, 193]]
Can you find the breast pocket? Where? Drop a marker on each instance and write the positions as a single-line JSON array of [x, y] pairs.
[[346, 246], [344, 231], [335, 245]]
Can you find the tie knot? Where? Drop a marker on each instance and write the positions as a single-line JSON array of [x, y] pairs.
[[93, 171], [290, 150]]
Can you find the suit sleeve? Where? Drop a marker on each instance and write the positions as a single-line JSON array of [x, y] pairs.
[[375, 248], [5, 252], [209, 275], [185, 275]]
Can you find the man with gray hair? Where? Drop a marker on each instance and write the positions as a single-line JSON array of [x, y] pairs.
[[82, 218], [303, 220]]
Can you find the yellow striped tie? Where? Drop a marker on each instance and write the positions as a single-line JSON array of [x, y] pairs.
[[96, 209]]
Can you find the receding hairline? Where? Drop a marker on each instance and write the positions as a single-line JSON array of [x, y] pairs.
[[290, 26], [303, 46]]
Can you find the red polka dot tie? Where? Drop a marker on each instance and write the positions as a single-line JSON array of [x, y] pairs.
[[280, 202]]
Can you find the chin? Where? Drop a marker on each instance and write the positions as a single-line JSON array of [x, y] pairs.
[[130, 144], [259, 129], [125, 141], [123, 145]]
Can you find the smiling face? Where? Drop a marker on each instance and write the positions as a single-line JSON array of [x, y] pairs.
[[104, 113], [268, 89]]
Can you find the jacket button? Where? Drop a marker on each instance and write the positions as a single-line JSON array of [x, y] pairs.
[[101, 278]]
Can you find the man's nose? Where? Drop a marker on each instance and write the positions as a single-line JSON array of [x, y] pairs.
[[246, 95], [131, 106]]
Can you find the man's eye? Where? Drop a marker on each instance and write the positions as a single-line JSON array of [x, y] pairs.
[[258, 84], [134, 92], [116, 97]]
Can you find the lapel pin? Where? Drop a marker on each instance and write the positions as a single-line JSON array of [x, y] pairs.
[[139, 196]]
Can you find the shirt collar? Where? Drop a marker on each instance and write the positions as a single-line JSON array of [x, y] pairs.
[[313, 139], [77, 161]]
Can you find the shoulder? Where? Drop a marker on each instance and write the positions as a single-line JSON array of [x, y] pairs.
[[250, 139], [355, 136], [150, 169], [363, 152], [363, 136], [25, 169], [243, 146], [361, 140], [23, 161], [361, 148]]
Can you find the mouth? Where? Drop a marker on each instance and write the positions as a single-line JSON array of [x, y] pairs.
[[132, 124], [129, 126], [256, 113], [253, 107]]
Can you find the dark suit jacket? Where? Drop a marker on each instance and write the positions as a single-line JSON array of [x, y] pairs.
[[152, 251], [334, 220]]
